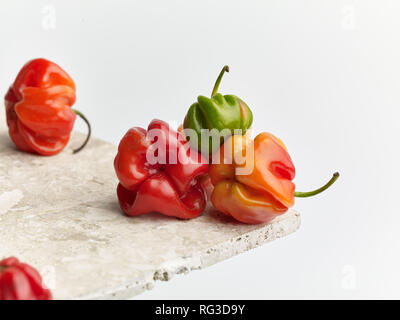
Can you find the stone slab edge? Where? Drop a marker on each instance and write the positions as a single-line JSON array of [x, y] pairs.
[[281, 227]]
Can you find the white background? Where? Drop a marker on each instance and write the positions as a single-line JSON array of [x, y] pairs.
[[321, 75]]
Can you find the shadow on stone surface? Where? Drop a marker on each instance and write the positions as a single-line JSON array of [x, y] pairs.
[[6, 143]]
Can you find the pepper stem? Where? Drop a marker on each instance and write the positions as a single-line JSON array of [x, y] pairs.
[[82, 116], [2, 268], [313, 193], [216, 86]]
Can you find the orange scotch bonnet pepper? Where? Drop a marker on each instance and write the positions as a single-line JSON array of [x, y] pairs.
[[253, 179]]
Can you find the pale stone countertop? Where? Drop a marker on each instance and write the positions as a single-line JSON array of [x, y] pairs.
[[61, 215]]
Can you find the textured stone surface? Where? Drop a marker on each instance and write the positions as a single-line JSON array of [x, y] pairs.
[[61, 215]]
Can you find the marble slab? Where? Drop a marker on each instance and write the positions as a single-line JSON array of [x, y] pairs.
[[61, 215]]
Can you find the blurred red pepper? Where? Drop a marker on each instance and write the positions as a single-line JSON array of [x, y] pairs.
[[253, 179], [19, 281], [38, 108], [170, 187]]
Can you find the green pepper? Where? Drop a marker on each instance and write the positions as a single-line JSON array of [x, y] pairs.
[[217, 117]]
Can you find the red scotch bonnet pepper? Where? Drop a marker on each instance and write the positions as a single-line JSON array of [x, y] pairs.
[[19, 281], [171, 186], [38, 108]]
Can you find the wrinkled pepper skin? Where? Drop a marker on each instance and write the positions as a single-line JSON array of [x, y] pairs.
[[219, 112], [264, 192], [173, 189], [224, 113], [19, 281], [38, 108]]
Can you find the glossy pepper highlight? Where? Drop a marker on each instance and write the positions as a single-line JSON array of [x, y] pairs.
[[221, 113], [38, 108], [19, 281], [170, 187], [253, 179]]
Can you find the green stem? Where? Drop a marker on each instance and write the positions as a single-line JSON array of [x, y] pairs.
[[216, 86], [2, 268], [82, 116], [313, 193]]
